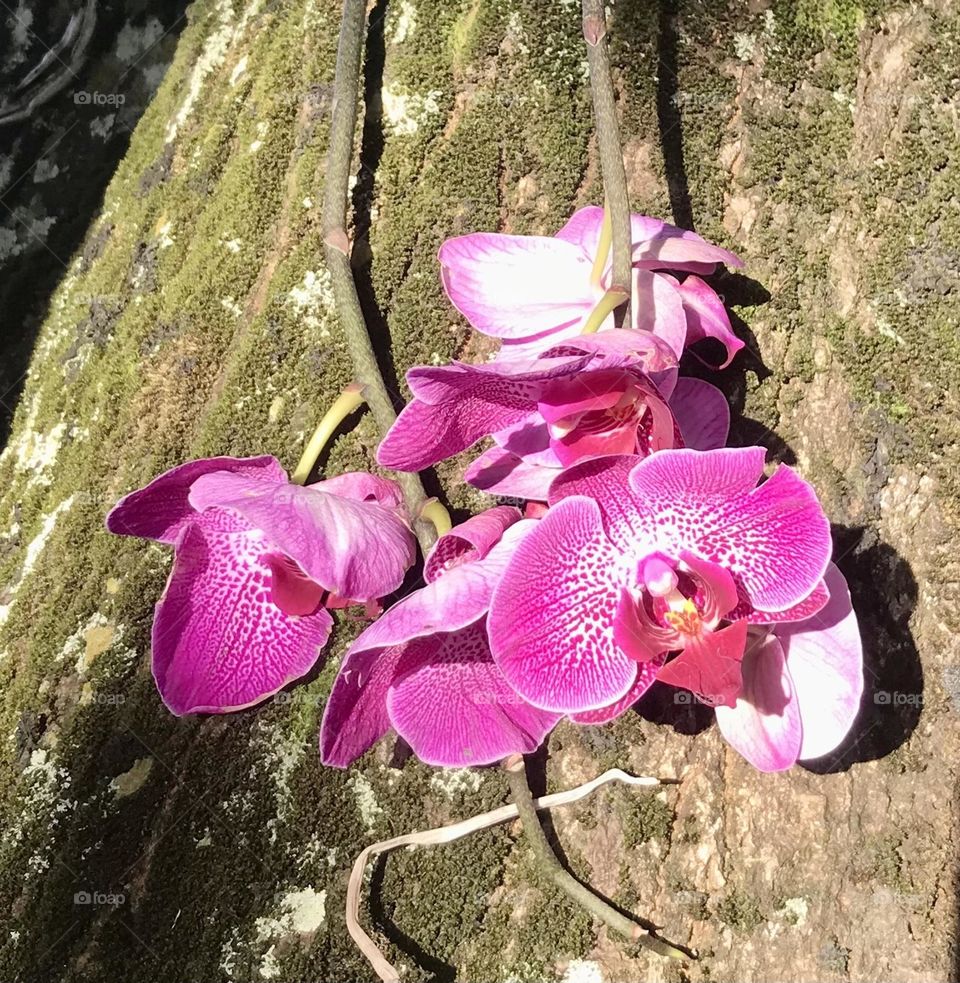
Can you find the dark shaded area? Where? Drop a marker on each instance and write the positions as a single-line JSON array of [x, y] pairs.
[[668, 117], [64, 152]]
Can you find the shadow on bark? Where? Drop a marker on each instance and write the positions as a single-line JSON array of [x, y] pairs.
[[63, 153]]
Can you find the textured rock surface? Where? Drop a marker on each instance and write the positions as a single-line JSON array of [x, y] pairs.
[[818, 138]]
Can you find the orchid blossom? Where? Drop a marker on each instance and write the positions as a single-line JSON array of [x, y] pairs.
[[802, 684], [612, 393], [258, 562], [425, 668], [655, 569], [533, 291]]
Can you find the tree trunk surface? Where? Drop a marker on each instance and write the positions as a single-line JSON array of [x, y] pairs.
[[820, 140]]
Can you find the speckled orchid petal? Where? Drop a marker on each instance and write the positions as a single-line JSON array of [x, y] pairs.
[[646, 677], [456, 405], [498, 472], [357, 549], [355, 716], [455, 709], [606, 480], [825, 660], [657, 307], [551, 613], [702, 413], [774, 539], [764, 724], [815, 601], [220, 643], [515, 286], [469, 541], [707, 317], [161, 509]]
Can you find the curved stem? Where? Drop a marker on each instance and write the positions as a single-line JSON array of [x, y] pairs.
[[549, 864], [336, 248], [349, 400], [617, 200]]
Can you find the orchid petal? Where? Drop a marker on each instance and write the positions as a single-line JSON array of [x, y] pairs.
[[707, 317], [291, 589], [498, 472], [515, 286], [219, 641], [469, 541], [764, 724], [825, 658], [702, 413], [552, 614], [774, 538], [161, 509], [357, 549], [710, 665], [657, 307], [646, 677], [451, 602], [452, 705], [355, 716]]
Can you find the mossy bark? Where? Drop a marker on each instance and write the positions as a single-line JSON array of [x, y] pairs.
[[818, 139]]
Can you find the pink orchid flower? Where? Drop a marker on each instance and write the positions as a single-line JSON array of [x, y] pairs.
[[258, 561], [802, 684], [616, 392], [425, 668], [637, 560], [531, 291]]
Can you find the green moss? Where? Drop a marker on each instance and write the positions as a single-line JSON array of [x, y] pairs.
[[646, 817], [740, 911]]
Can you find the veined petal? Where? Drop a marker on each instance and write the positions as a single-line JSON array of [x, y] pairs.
[[657, 307], [219, 641], [707, 317], [764, 724], [775, 538], [161, 509], [606, 480], [516, 286], [469, 541], [498, 472], [356, 549], [451, 602], [825, 659], [355, 716], [702, 413], [452, 705], [551, 616], [646, 677]]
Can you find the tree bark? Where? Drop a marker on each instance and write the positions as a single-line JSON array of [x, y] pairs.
[[820, 142]]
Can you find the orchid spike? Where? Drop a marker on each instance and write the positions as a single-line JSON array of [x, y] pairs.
[[531, 291], [425, 668], [258, 562], [638, 562]]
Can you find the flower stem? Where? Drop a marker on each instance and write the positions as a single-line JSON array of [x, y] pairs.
[[552, 868], [617, 200], [349, 400], [610, 301], [337, 248], [603, 249]]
